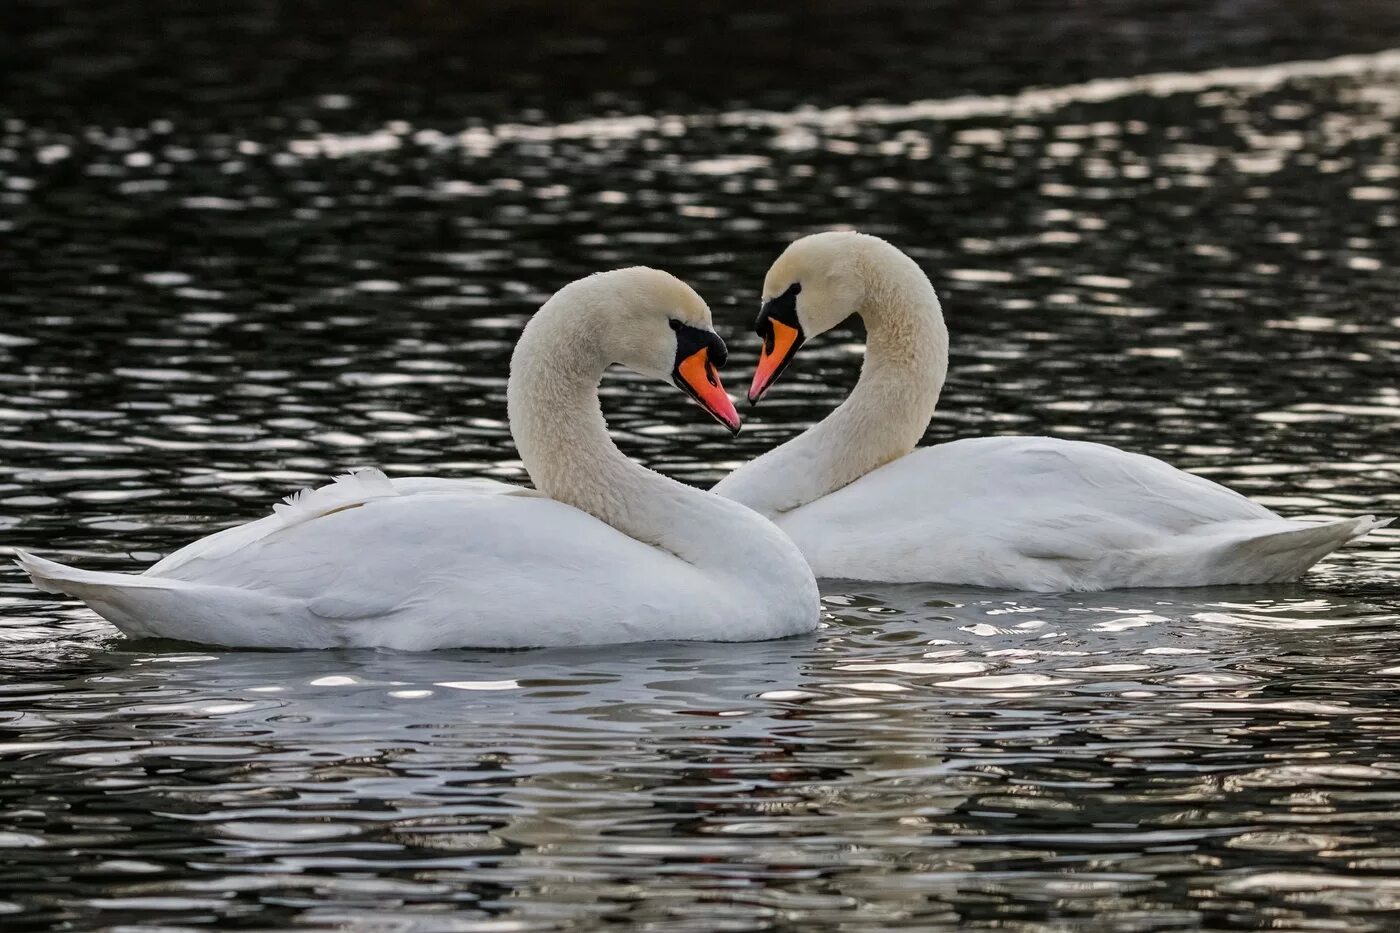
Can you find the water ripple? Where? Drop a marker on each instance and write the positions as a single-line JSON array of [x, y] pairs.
[[1197, 266]]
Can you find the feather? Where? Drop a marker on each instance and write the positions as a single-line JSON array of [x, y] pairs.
[[347, 491]]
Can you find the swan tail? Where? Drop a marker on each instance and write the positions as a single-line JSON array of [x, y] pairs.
[[144, 606], [1284, 555], [49, 576]]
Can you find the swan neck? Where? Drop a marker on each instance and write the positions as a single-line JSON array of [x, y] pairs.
[[886, 414], [559, 430], [906, 346]]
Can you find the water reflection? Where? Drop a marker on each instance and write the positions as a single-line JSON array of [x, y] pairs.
[[1201, 270], [1090, 750]]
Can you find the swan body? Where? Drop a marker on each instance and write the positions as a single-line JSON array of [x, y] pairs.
[[1038, 513], [606, 551], [1024, 513]]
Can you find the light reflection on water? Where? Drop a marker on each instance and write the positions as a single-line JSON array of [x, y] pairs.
[[990, 752], [199, 322]]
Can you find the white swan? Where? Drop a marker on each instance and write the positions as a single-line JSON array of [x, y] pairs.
[[606, 551], [1026, 513]]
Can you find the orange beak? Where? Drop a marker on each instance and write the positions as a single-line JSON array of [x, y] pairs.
[[780, 345], [697, 376]]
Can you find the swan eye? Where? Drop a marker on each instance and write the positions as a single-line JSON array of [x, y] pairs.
[[782, 309], [690, 338]]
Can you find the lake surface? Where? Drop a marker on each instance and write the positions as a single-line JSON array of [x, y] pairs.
[[200, 318]]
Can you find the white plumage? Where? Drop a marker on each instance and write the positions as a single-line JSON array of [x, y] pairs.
[[606, 552], [1037, 513], [1025, 513]]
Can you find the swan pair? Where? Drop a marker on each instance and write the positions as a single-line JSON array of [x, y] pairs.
[[604, 550]]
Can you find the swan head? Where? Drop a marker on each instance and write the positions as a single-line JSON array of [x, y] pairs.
[[813, 286], [655, 325]]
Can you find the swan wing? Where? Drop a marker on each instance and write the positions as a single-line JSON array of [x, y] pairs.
[[346, 491], [429, 565], [542, 571], [1047, 514]]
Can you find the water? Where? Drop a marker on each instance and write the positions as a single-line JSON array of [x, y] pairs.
[[201, 317]]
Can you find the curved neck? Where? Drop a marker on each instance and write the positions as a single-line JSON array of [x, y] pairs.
[[558, 427], [906, 353], [906, 362]]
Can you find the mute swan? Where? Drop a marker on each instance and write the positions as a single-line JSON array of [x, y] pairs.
[[1025, 513], [606, 550]]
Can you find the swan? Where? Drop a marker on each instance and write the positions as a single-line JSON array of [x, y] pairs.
[[1022, 513], [602, 551]]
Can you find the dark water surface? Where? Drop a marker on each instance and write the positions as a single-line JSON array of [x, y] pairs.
[[198, 320]]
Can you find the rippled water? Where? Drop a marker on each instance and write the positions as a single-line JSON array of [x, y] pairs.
[[1203, 268]]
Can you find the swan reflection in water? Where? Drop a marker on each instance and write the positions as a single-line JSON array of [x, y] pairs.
[[923, 728]]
